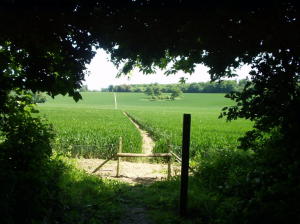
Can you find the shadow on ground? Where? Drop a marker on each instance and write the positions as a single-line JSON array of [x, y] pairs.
[[90, 199]]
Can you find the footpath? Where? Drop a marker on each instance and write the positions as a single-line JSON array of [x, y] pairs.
[[137, 174]]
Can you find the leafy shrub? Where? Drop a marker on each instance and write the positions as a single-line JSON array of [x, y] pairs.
[[87, 198], [38, 98], [238, 186], [276, 194], [28, 177]]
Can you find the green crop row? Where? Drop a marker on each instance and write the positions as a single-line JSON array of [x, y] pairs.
[[91, 127], [207, 131], [91, 133]]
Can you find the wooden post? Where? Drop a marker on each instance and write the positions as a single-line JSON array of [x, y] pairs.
[[169, 161], [102, 164], [124, 154], [179, 160], [119, 158], [185, 164], [116, 105]]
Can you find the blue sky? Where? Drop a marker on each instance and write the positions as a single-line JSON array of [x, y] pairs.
[[102, 73]]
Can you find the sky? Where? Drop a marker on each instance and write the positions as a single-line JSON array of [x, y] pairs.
[[102, 73]]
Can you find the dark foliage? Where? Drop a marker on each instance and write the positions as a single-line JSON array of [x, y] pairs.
[[272, 100], [49, 42], [29, 189], [44, 46]]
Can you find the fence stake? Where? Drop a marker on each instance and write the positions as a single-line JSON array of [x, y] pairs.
[[102, 164], [169, 161], [119, 158], [185, 164], [179, 160]]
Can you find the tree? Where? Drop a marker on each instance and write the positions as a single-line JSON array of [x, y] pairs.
[[28, 177], [38, 98], [110, 88], [175, 92], [44, 46], [149, 91], [193, 88], [157, 90]]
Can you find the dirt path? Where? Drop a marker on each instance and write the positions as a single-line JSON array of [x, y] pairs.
[[134, 173], [130, 172], [142, 172], [148, 143], [135, 211]]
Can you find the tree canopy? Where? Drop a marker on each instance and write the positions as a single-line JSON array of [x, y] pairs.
[[48, 43], [45, 45]]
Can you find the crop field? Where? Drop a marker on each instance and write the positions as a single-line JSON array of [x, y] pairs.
[[207, 132], [91, 132], [91, 127]]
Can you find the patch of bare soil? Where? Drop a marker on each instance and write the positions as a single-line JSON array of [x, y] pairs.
[[130, 172], [148, 143]]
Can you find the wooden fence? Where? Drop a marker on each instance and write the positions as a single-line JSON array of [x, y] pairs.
[[184, 162], [121, 154]]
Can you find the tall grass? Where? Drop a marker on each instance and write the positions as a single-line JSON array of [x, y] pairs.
[[90, 129], [207, 131], [92, 133], [84, 198]]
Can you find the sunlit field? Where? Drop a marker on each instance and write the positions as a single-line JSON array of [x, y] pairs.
[[92, 127]]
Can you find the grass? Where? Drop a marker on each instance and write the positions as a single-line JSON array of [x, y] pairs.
[[161, 201], [139, 101], [94, 123], [90, 132], [207, 131], [87, 199]]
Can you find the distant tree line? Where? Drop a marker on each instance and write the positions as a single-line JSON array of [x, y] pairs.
[[225, 86], [155, 93]]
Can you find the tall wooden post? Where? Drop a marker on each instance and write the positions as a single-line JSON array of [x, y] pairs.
[[116, 105], [169, 161], [119, 158], [185, 163]]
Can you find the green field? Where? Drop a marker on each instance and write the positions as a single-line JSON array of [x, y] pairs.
[[92, 126]]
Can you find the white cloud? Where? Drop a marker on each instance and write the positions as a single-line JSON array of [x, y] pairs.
[[102, 73]]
